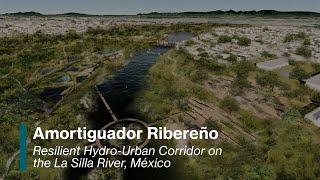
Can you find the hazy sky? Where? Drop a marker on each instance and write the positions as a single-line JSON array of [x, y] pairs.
[[142, 6]]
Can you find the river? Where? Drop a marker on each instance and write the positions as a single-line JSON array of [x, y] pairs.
[[119, 92]]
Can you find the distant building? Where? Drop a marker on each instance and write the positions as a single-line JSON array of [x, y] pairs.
[[314, 82], [314, 116], [273, 64]]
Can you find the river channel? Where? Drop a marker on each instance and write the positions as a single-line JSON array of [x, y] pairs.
[[119, 91]]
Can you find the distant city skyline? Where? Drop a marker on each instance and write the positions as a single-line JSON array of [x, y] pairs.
[[128, 7]]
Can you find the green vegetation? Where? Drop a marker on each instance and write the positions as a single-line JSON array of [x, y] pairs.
[[316, 67], [250, 121], [243, 41], [23, 58], [294, 37], [242, 70], [229, 104], [267, 54], [298, 73], [283, 147], [224, 39], [172, 80], [210, 64], [282, 150], [212, 125], [306, 42], [232, 58], [304, 51], [268, 80], [292, 115], [279, 148]]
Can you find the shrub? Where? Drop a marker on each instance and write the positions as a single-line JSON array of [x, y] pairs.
[[210, 64], [306, 42], [243, 68], [204, 55], [316, 67], [291, 115], [240, 82], [298, 73], [15, 175], [267, 54], [224, 39], [199, 76], [293, 62], [232, 58], [286, 54], [249, 120], [293, 37], [212, 124], [304, 51], [189, 43], [183, 105], [72, 35], [243, 41], [229, 104], [268, 80]]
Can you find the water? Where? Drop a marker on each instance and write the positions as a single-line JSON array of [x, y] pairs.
[[178, 37], [52, 94], [119, 93], [120, 90]]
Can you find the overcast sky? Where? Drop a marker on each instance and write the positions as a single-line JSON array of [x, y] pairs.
[[143, 6]]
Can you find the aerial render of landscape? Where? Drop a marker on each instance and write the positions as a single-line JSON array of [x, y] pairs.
[[251, 75]]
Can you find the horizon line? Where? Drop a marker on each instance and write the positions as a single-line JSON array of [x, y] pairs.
[[160, 12]]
